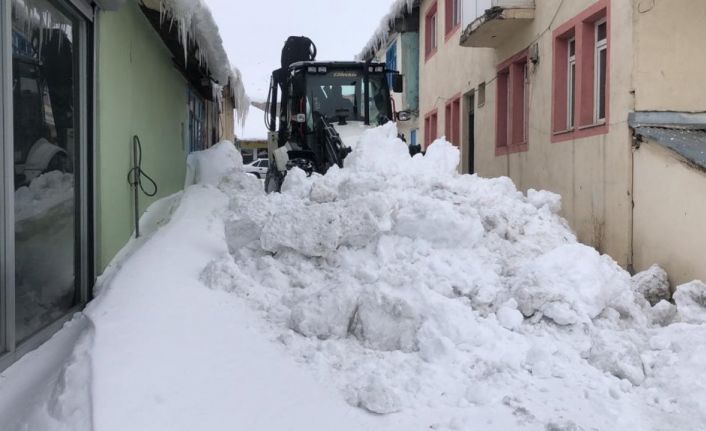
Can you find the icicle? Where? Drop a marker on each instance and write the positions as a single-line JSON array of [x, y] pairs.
[[195, 23], [382, 34]]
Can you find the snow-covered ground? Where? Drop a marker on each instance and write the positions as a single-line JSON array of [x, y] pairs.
[[393, 294]]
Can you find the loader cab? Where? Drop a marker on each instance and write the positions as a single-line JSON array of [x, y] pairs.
[[340, 92], [324, 107]]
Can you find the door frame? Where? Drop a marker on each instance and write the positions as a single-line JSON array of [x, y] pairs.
[[468, 153], [7, 248]]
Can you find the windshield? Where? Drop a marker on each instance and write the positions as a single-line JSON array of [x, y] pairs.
[[341, 92]]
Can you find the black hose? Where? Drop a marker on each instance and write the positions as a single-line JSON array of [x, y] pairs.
[[134, 178]]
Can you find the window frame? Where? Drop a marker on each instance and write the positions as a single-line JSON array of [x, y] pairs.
[[7, 275], [599, 46], [431, 124], [571, 85], [198, 121], [452, 120], [452, 21], [481, 94], [431, 30], [391, 60], [512, 105], [583, 29]]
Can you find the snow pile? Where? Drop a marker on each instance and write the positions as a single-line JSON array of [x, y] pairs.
[[691, 301], [398, 9], [436, 295], [44, 193], [210, 166], [393, 286]]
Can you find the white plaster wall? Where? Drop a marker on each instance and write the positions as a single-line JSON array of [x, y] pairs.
[[669, 55], [669, 214]]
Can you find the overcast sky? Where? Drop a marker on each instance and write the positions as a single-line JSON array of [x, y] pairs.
[[254, 31]]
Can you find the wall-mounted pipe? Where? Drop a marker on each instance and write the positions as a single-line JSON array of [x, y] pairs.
[[134, 178]]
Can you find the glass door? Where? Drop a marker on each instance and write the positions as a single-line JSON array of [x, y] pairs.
[[47, 155], [45, 250]]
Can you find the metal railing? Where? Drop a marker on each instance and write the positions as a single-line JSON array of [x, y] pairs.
[[472, 9]]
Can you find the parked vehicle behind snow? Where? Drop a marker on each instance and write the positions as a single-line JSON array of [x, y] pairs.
[[258, 167]]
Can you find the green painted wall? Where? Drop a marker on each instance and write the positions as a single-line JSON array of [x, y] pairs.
[[139, 93]]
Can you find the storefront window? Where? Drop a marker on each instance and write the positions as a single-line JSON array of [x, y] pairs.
[[197, 138]]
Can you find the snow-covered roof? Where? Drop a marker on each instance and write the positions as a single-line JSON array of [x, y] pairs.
[[398, 9], [253, 128], [195, 22]]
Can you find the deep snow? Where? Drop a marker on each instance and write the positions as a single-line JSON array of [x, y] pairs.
[[393, 294]]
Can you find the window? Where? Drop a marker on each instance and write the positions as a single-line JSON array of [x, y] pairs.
[[413, 138], [512, 107], [580, 84], [453, 16], [453, 121], [601, 44], [344, 89], [430, 128], [197, 130], [391, 61], [46, 191], [571, 84], [430, 29]]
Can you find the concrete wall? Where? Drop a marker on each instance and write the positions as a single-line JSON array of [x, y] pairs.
[[669, 56], [669, 214], [592, 174], [140, 93]]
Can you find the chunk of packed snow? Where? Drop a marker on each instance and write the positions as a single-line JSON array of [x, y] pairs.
[[570, 284], [652, 284], [691, 302], [210, 166], [663, 313], [509, 316]]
